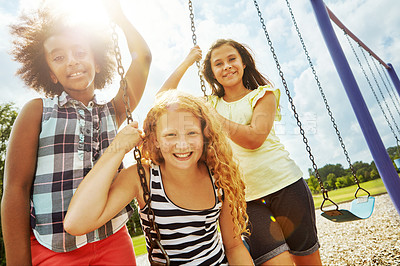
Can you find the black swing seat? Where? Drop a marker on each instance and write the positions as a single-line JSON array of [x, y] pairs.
[[361, 208]]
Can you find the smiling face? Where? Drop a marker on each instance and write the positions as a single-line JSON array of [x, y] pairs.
[[71, 62], [227, 66], [180, 139]]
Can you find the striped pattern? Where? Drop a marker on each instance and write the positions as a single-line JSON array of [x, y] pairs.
[[71, 140], [190, 237]]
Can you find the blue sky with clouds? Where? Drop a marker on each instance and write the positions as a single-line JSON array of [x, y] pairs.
[[166, 27]]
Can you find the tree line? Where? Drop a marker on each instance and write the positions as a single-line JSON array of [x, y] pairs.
[[334, 176]]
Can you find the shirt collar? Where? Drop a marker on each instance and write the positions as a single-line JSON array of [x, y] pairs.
[[64, 98]]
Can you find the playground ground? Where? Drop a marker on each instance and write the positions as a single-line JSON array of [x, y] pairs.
[[374, 241]]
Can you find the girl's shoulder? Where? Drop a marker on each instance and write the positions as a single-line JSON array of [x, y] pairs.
[[147, 166], [34, 104], [258, 93], [29, 117], [133, 173], [33, 108]]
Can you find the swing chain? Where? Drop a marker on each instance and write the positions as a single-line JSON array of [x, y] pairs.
[[390, 84], [379, 87], [323, 95], [371, 87], [296, 116], [154, 241], [194, 38], [384, 83], [121, 72]]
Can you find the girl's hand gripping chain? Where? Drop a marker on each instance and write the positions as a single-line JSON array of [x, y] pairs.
[[172, 82], [129, 137], [194, 55]]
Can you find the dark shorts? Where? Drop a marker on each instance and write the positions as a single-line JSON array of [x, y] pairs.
[[282, 221]]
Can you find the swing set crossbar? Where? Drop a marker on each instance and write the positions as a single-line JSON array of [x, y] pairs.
[[354, 37]]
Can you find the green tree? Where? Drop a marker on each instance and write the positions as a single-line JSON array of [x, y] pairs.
[[393, 152], [331, 181], [313, 184], [336, 169], [374, 174], [8, 114], [365, 172], [359, 165], [344, 181], [340, 182], [361, 178]]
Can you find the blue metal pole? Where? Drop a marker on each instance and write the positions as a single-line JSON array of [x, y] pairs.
[[394, 77], [382, 160]]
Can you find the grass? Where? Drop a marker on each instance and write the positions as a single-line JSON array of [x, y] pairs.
[[375, 187]]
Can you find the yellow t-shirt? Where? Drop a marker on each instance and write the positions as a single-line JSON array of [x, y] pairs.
[[268, 168]]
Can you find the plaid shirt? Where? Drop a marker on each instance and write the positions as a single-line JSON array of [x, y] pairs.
[[71, 140]]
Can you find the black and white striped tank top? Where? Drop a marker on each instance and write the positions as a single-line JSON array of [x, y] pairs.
[[190, 237]]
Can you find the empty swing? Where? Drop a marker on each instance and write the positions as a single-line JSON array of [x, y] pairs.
[[362, 206]]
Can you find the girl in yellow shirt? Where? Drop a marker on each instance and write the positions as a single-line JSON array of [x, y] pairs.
[[279, 202]]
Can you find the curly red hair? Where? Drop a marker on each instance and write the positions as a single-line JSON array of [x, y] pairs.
[[217, 152]]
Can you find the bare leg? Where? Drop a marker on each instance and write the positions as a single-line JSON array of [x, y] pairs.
[[282, 259], [312, 259]]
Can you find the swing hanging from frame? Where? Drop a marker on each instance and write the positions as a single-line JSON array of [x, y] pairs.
[[362, 206]]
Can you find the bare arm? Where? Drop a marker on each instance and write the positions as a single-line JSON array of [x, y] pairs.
[[18, 177], [253, 135], [100, 197], [236, 252], [173, 80], [136, 75]]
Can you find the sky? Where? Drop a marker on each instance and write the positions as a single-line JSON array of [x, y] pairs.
[[165, 25]]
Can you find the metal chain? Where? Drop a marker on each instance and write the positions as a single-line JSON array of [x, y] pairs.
[[372, 88], [296, 116], [154, 239], [322, 94], [379, 88], [384, 84], [396, 96], [390, 84], [121, 72], [194, 38]]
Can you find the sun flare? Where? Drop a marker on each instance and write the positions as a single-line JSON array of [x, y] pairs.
[[85, 11]]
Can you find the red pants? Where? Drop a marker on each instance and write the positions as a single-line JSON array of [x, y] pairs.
[[116, 249]]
